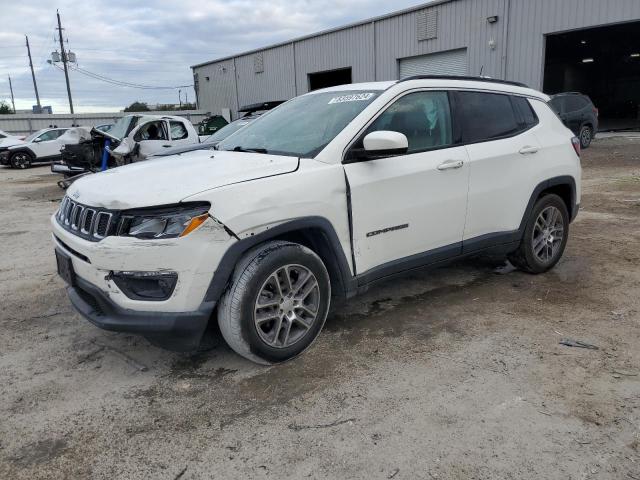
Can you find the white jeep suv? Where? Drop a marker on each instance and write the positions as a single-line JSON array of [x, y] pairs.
[[323, 196]]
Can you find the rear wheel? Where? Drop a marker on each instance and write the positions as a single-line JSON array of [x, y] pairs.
[[545, 236], [21, 160], [586, 135], [277, 303]]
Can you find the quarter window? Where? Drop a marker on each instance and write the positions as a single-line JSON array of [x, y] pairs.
[[526, 116], [487, 116], [178, 131], [423, 117]]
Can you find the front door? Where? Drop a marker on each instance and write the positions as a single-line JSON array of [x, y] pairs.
[[152, 137], [409, 205]]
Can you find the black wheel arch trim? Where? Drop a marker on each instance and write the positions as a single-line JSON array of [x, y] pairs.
[[13, 151], [563, 180], [336, 258]]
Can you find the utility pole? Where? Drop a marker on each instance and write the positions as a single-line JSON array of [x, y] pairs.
[[13, 102], [33, 75], [64, 61], [180, 98]]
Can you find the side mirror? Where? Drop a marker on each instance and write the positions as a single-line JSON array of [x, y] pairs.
[[37, 140], [380, 144], [385, 142]]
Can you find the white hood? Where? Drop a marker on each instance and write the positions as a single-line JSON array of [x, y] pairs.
[[169, 180], [9, 141]]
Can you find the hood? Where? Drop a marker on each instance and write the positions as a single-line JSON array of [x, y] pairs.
[[169, 180], [183, 149], [10, 141]]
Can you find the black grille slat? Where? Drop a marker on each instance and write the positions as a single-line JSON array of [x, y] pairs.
[[92, 224]]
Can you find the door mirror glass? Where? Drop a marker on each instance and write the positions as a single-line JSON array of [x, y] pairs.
[[385, 142]]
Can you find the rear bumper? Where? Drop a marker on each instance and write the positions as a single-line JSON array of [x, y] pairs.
[[178, 331]]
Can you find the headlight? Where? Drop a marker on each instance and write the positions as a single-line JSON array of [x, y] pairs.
[[167, 222]]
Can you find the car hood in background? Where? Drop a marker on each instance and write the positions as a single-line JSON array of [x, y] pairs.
[[169, 180], [10, 141]]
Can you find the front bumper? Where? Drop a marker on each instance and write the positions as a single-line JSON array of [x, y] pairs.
[[63, 168], [181, 331], [177, 322]]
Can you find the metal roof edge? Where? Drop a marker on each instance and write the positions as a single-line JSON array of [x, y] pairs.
[[325, 32]]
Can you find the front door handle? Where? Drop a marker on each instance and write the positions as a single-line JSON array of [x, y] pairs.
[[528, 150], [450, 164]]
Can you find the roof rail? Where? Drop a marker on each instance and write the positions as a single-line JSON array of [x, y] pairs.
[[455, 77]]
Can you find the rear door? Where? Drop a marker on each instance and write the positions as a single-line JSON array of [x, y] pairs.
[[179, 133], [499, 133], [410, 204]]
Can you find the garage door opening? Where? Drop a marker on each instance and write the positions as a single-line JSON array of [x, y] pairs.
[[452, 62], [603, 63], [329, 78]]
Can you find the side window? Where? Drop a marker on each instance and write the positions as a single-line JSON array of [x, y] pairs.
[[486, 116], [152, 131], [178, 130], [527, 118], [58, 133], [556, 105], [424, 117], [574, 103], [46, 136]]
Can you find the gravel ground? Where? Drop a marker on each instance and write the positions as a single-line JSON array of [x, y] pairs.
[[455, 373]]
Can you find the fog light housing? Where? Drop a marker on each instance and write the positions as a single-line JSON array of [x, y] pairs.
[[149, 286]]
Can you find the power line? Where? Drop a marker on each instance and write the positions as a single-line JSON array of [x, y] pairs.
[[120, 83]]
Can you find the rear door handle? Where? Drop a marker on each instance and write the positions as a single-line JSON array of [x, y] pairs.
[[528, 150], [450, 164]]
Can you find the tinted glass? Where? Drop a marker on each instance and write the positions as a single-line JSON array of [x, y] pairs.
[[487, 116], [423, 117], [574, 103], [50, 135], [302, 127], [556, 104], [226, 131], [178, 131], [524, 112]]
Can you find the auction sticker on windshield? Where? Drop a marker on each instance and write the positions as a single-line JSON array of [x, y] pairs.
[[355, 97]]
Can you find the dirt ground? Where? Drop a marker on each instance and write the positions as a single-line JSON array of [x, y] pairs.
[[455, 373]]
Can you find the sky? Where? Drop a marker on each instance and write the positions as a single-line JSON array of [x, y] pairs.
[[151, 43]]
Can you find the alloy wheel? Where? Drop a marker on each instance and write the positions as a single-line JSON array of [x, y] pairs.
[[548, 233], [287, 306]]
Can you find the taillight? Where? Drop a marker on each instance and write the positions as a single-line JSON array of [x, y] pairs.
[[596, 111], [575, 141]]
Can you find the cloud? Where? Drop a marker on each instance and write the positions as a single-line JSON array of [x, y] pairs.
[[152, 43]]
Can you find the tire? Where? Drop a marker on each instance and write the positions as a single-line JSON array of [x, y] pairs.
[[585, 136], [21, 160], [540, 248], [264, 320]]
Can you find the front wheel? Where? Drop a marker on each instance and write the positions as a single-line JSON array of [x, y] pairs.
[[277, 302], [545, 236], [21, 160], [586, 135]]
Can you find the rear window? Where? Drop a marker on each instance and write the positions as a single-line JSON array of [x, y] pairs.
[[574, 102], [487, 116]]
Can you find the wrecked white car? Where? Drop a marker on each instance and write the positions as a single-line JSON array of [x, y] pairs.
[[136, 137]]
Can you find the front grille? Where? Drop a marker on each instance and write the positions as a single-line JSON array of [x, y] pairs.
[[87, 222]]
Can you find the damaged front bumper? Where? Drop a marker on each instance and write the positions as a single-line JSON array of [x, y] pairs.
[[177, 331], [176, 321]]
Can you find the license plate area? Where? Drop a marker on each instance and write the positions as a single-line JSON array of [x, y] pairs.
[[65, 267]]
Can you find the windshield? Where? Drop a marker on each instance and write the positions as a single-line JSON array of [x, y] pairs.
[[227, 130], [301, 127], [122, 127]]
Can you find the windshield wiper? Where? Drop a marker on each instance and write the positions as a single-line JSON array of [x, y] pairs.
[[250, 150]]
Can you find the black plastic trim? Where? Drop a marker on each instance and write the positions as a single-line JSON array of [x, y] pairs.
[[180, 331], [231, 257]]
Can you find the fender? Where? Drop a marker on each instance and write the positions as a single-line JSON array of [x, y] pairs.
[[22, 148], [564, 180], [333, 256]]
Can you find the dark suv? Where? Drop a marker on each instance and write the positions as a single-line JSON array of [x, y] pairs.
[[578, 113]]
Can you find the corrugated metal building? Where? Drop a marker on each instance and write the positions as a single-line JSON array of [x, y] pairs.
[[551, 45]]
